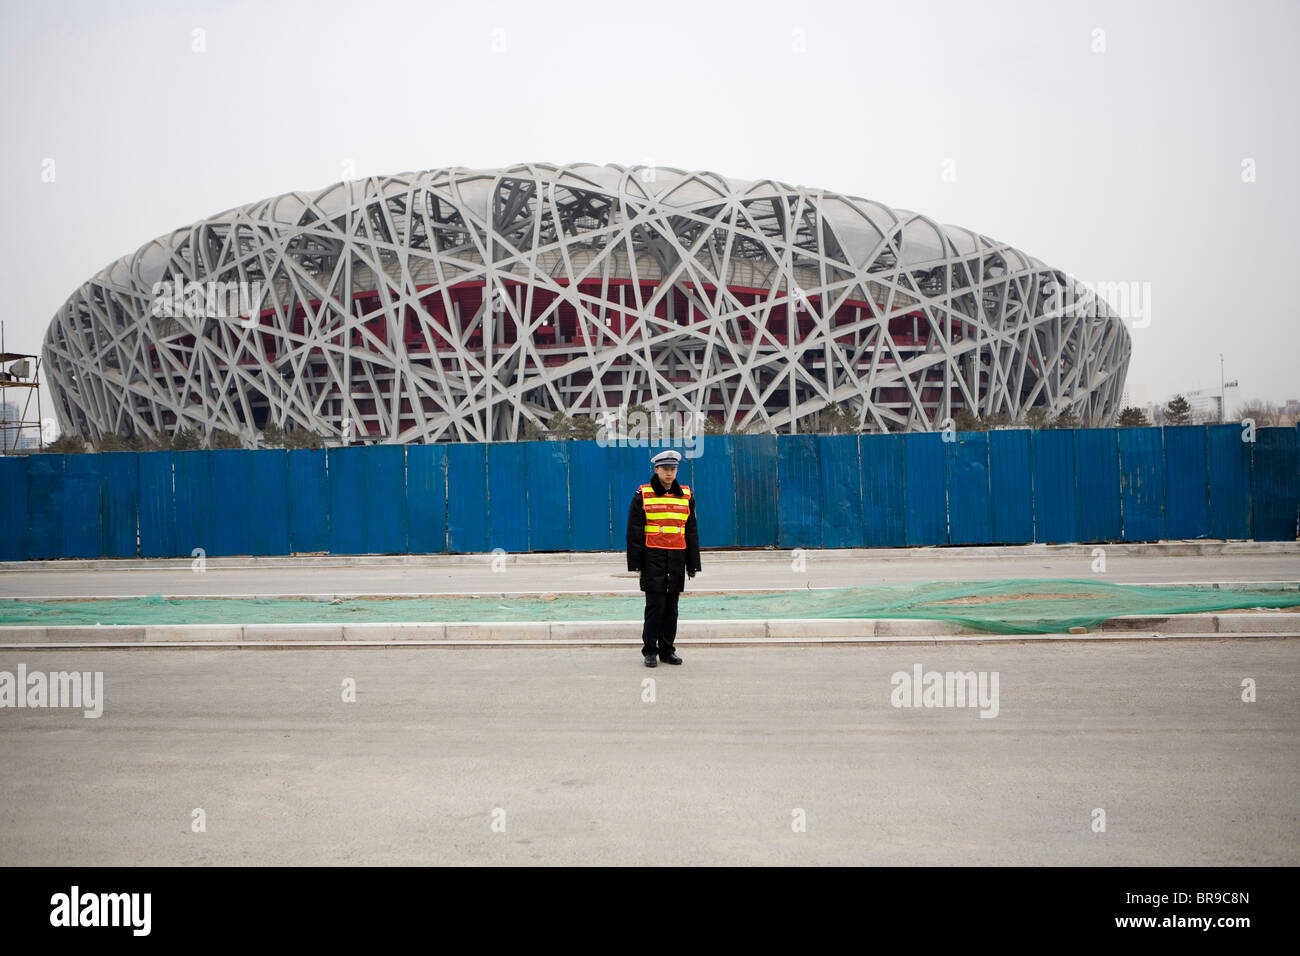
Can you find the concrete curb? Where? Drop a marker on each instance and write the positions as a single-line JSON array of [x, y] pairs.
[[600, 558], [814, 642], [596, 633], [324, 597]]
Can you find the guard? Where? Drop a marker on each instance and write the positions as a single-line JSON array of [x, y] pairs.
[[663, 544]]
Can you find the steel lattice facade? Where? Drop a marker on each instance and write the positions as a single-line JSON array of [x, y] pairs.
[[459, 305]]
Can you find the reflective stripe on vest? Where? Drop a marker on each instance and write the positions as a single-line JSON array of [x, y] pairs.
[[665, 525]]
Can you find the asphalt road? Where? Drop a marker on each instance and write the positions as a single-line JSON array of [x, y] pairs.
[[579, 769], [609, 574]]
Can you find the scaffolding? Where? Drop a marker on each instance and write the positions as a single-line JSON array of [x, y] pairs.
[[19, 370]]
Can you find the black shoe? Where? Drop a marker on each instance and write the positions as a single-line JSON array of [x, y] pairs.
[[670, 658], [650, 661]]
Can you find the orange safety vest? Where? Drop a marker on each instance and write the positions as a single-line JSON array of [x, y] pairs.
[[665, 518]]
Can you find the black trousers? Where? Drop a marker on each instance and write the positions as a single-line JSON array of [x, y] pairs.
[[660, 631]]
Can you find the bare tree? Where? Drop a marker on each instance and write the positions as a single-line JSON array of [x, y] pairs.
[[997, 420], [220, 438], [1263, 413], [1066, 418], [560, 427], [186, 439], [584, 428], [835, 420], [1036, 417], [71, 444], [303, 438], [111, 442], [272, 436]]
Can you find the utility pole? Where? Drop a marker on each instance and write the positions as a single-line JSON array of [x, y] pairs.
[[1223, 386]]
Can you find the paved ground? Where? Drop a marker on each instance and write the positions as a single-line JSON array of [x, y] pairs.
[[608, 573], [585, 771]]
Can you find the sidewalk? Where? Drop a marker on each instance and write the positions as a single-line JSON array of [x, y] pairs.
[[1261, 624], [958, 552], [330, 577]]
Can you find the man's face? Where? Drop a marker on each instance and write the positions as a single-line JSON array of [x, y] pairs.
[[667, 474]]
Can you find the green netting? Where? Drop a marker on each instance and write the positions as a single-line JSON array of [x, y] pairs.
[[1018, 606]]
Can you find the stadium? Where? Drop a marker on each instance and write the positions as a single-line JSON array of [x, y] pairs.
[[474, 305]]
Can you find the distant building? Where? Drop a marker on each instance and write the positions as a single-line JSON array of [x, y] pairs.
[[1135, 396], [1204, 401], [13, 437]]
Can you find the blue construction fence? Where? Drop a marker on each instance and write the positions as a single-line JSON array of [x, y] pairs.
[[806, 491]]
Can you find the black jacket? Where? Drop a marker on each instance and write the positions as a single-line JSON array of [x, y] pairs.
[[662, 569]]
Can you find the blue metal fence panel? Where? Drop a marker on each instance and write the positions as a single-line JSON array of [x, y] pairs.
[[1229, 459], [157, 521], [828, 491], [1187, 489], [238, 495], [467, 504], [347, 477], [754, 472], [1142, 484], [426, 498], [13, 507], [385, 500], [1056, 506], [252, 488], [799, 487], [686, 468], [45, 506], [267, 474], [1274, 488], [507, 497], [714, 486], [550, 490], [884, 514], [841, 492], [119, 501], [966, 471], [81, 506], [1096, 465], [629, 468], [1011, 486], [924, 494], [193, 504], [308, 495], [589, 494]]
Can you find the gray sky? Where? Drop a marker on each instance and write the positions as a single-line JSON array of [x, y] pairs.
[[1124, 165]]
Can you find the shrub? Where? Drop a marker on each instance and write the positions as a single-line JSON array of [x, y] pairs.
[[1133, 418]]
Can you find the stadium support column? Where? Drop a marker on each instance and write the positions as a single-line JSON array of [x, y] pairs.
[[489, 326], [348, 406]]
